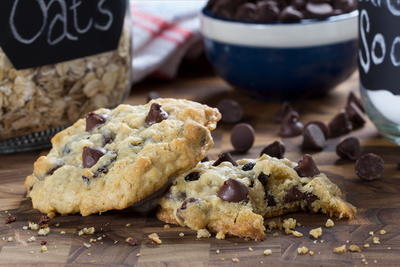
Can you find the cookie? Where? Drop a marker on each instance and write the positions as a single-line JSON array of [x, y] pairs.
[[114, 158], [228, 199]]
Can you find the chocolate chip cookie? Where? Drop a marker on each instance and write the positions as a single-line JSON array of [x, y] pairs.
[[229, 199], [114, 158]]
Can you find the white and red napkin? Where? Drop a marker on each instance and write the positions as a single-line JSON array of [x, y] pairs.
[[164, 32]]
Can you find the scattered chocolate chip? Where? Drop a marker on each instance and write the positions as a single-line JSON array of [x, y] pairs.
[[313, 137], [43, 242], [205, 159], [286, 108], [248, 166], [231, 111], [356, 116], [152, 95], [93, 119], [233, 191], [52, 170], [307, 167], [352, 98], [132, 241], [156, 114], [340, 125], [369, 167], [44, 220], [10, 219], [242, 137], [291, 126], [276, 150], [324, 128], [226, 156], [90, 156], [349, 148], [194, 176], [319, 10], [188, 201]]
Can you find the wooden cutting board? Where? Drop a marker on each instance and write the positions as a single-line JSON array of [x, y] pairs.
[[378, 203]]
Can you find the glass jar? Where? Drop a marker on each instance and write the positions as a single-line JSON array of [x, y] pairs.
[[379, 61], [37, 102]]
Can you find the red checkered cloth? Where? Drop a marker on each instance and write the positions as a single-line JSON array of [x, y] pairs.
[[164, 32]]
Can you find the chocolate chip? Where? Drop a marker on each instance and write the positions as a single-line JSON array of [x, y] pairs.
[[10, 219], [52, 170], [340, 125], [205, 159], [188, 201], [246, 12], [233, 191], [194, 176], [263, 178], [270, 200], [43, 220], [313, 137], [152, 95], [294, 194], [226, 156], [356, 116], [231, 111], [267, 11], [369, 167], [93, 119], [132, 241], [90, 156], [319, 10], [321, 125], [291, 126], [248, 166], [156, 115], [242, 137], [349, 148], [307, 167], [291, 14], [352, 98], [276, 150], [286, 108]]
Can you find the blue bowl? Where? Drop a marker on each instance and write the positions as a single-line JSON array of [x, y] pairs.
[[282, 60]]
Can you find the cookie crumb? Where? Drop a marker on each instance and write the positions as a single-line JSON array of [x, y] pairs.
[[10, 219], [57, 225], [340, 250], [128, 225], [87, 231], [31, 239], [329, 223], [131, 241], [272, 225], [24, 227], [389, 248], [92, 240], [217, 251], [267, 252], [375, 261], [203, 233], [155, 238], [220, 235], [33, 226], [235, 260], [302, 250], [382, 232], [371, 233], [366, 245], [10, 239], [354, 248], [62, 233], [289, 223], [138, 254], [376, 240], [276, 234], [297, 234], [89, 254], [43, 249], [311, 253], [181, 234], [316, 233], [167, 226], [87, 245], [251, 249], [44, 231], [347, 241]]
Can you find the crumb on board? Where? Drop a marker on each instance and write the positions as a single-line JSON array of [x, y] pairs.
[[25, 227], [10, 239], [272, 225], [43, 249], [10, 219], [235, 260], [289, 223], [251, 249], [276, 234], [267, 252], [371, 233], [366, 245], [155, 238], [297, 234], [354, 248], [329, 223], [340, 250], [376, 240], [220, 235], [302, 250], [167, 226], [44, 231], [87, 231], [311, 253], [62, 233], [128, 225], [382, 232], [316, 233], [181, 234], [217, 251], [87, 245], [138, 254], [33, 226], [203, 233], [31, 239], [131, 241]]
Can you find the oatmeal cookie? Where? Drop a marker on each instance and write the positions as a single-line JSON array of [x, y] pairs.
[[115, 158], [229, 199]]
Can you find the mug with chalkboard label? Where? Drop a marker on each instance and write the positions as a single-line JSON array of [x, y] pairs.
[[379, 63], [59, 59]]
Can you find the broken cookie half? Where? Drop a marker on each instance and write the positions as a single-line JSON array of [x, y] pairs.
[[234, 198]]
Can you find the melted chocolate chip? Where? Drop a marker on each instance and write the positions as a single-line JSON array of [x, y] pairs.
[[93, 119], [248, 166], [291, 126], [226, 156], [276, 149], [52, 170], [340, 125], [307, 167], [349, 148], [313, 137], [356, 116], [188, 201], [194, 176], [104, 169], [263, 178], [370, 167], [270, 200], [156, 115], [233, 191], [90, 156], [294, 194]]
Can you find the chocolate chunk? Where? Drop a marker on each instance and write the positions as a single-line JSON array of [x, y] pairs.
[[291, 126], [369, 167], [263, 178], [248, 166], [188, 201], [313, 137], [226, 156], [52, 170], [356, 116], [349, 148], [242, 137], [205, 159], [43, 220], [156, 115], [93, 119], [307, 167], [291, 14], [276, 150], [246, 12], [194, 176], [233, 191], [319, 10], [90, 156], [352, 98], [152, 95], [231, 111], [132, 241], [267, 11], [10, 219], [294, 194], [270, 200], [340, 125], [285, 109], [321, 125]]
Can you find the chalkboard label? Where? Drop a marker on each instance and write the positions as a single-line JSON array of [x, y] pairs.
[[379, 36], [40, 32]]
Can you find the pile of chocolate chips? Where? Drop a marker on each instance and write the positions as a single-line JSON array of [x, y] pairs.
[[279, 10]]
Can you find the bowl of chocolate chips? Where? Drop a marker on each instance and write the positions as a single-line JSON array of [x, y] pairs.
[[282, 49]]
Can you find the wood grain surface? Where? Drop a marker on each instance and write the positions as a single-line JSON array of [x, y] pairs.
[[378, 202]]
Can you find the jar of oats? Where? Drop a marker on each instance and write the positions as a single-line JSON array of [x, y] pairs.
[[59, 60]]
